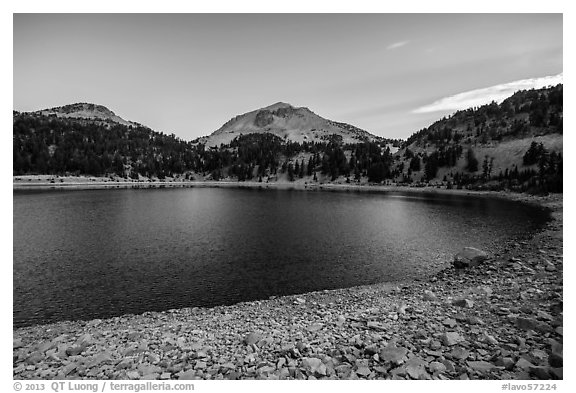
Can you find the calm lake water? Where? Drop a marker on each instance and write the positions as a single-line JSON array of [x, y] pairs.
[[102, 253]]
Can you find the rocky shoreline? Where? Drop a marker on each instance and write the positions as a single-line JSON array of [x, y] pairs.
[[502, 319]]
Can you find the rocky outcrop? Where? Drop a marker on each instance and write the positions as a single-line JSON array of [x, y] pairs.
[[263, 118], [469, 256]]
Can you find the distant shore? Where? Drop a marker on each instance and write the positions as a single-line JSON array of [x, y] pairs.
[[38, 183], [46, 182]]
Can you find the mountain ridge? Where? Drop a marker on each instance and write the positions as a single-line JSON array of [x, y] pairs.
[[84, 111], [515, 145], [295, 124]]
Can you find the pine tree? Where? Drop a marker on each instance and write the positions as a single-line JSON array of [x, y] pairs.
[[472, 162], [290, 172]]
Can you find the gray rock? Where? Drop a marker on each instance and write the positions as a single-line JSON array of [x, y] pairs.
[[102, 358], [523, 364], [506, 362], [449, 322], [468, 257], [393, 354], [451, 338], [401, 308], [17, 343], [371, 350], [266, 370], [416, 368], [376, 326], [557, 373], [145, 369], [399, 371], [232, 366], [200, 365], [430, 296], [556, 358], [436, 367], [125, 364], [449, 365], [550, 267], [343, 370], [69, 368], [363, 371], [540, 372], [75, 350], [481, 366], [474, 320], [463, 302], [34, 358], [460, 317], [314, 366], [489, 339], [436, 354], [132, 375], [459, 353], [559, 330], [46, 346], [435, 345], [85, 340], [284, 373], [526, 323], [252, 338]]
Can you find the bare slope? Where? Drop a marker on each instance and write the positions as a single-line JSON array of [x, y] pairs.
[[85, 111], [287, 122]]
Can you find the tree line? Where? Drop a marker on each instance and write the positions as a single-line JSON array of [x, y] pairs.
[[61, 146]]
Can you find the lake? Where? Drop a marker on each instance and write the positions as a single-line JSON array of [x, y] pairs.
[[103, 253]]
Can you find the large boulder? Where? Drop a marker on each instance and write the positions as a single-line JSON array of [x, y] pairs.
[[469, 256]]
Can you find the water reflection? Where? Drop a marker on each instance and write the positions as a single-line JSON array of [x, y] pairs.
[[87, 254]]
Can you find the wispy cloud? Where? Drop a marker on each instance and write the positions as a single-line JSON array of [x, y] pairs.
[[396, 45], [486, 95]]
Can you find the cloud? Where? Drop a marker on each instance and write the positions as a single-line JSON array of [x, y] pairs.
[[396, 45], [478, 97]]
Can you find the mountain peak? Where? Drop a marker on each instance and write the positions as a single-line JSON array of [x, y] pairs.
[[278, 105], [296, 124], [84, 110]]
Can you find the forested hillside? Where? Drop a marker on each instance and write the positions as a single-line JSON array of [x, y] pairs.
[[62, 146], [514, 145], [51, 145]]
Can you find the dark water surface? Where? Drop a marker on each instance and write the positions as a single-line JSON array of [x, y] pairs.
[[102, 253]]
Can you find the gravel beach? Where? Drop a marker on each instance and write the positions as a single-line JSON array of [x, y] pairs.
[[502, 319]]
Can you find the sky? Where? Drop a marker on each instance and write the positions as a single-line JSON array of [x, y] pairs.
[[187, 74]]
